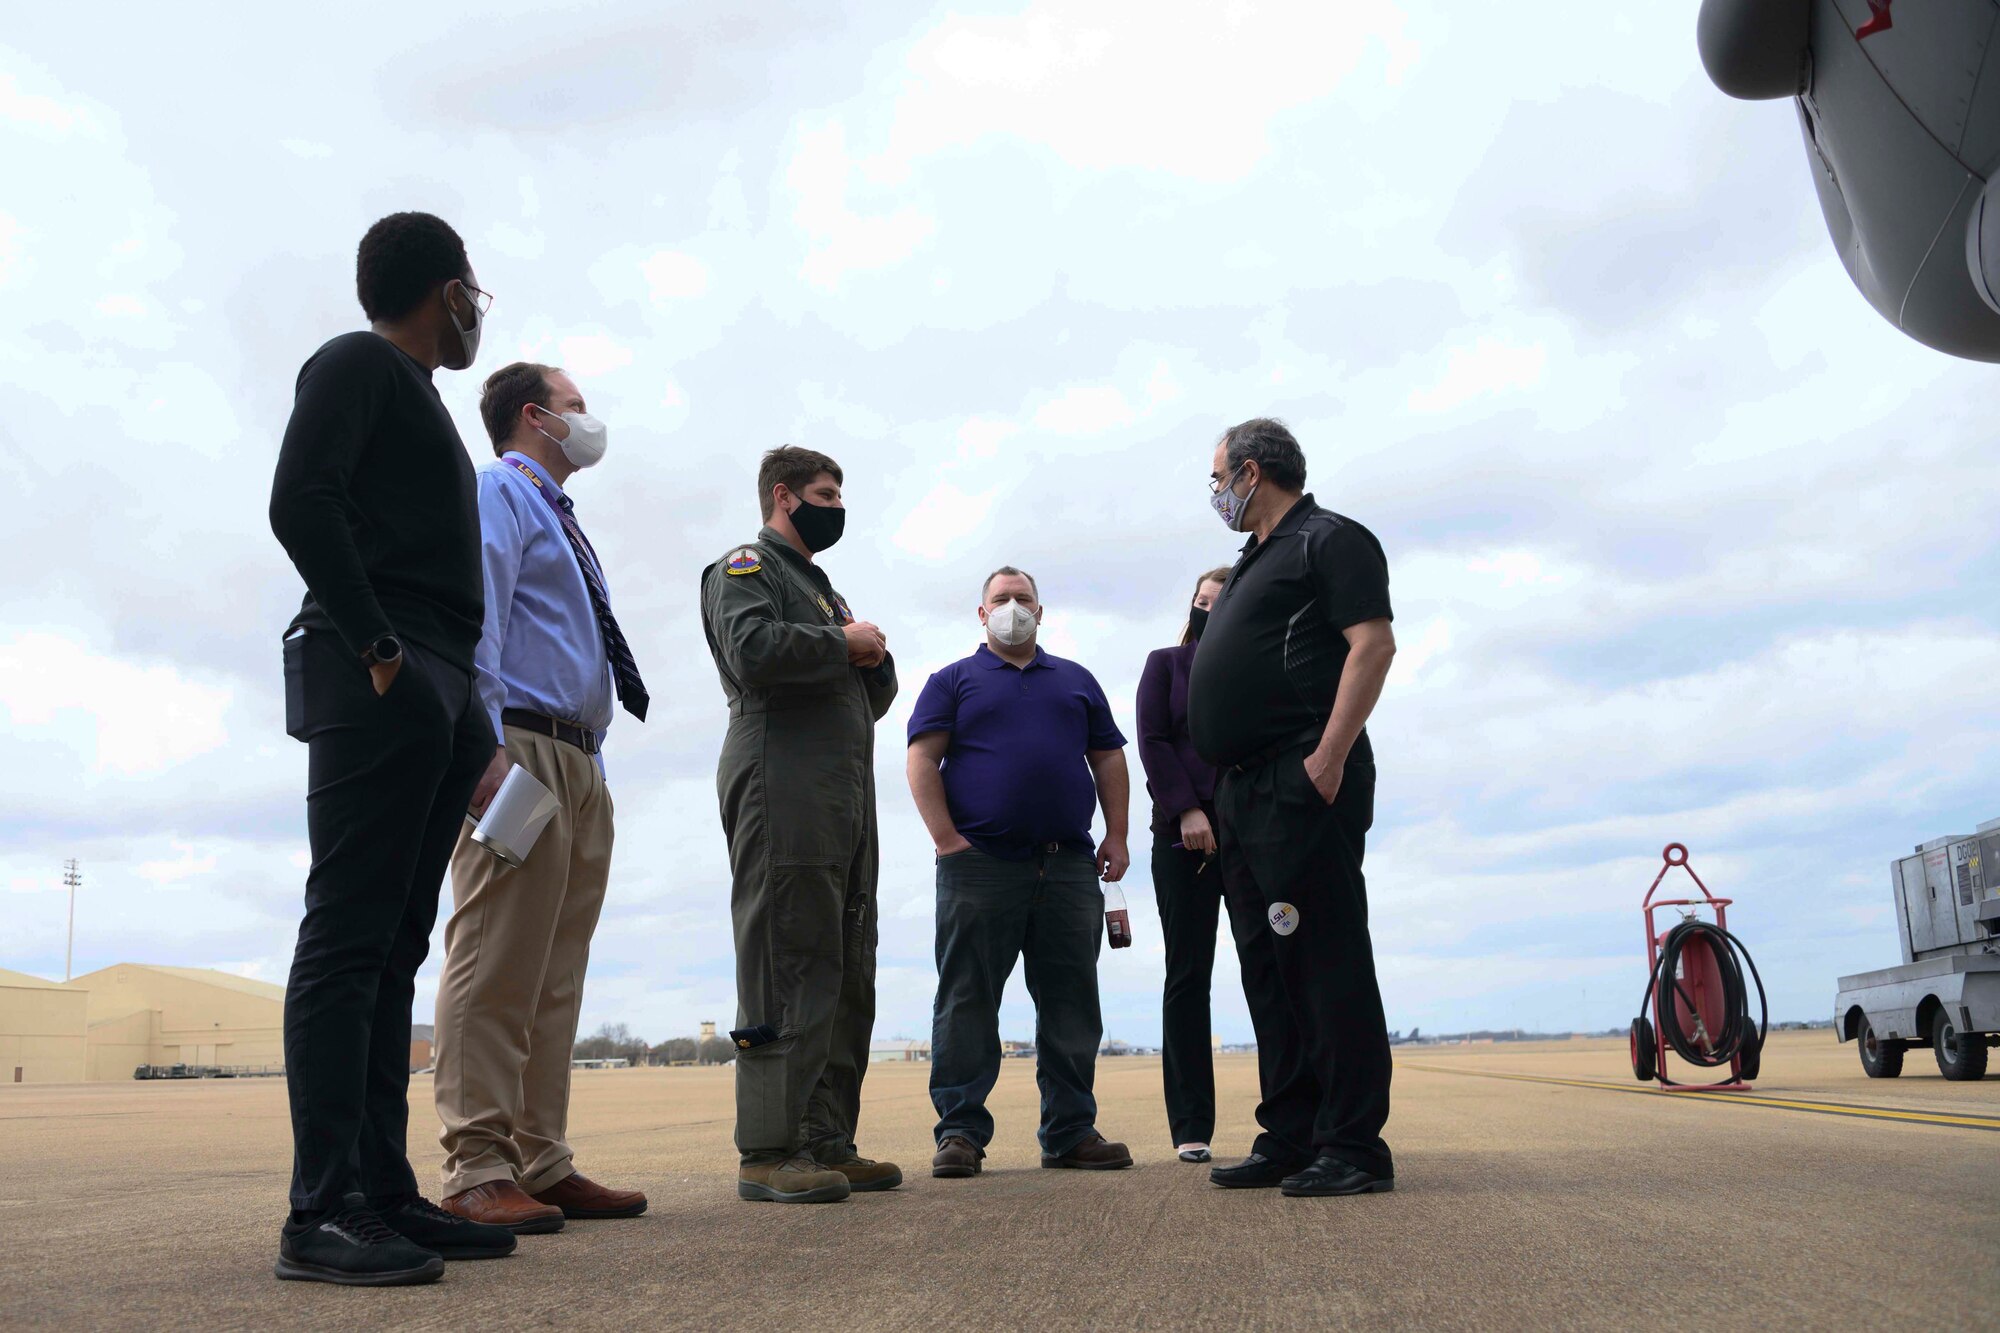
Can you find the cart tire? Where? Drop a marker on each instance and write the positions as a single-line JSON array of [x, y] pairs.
[[1879, 1059], [1961, 1056], [1645, 1051], [1750, 1060]]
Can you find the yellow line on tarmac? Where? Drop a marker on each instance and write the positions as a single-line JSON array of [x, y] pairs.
[[1777, 1103]]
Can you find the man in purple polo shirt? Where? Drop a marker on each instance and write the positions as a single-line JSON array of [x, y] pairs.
[[1010, 751]]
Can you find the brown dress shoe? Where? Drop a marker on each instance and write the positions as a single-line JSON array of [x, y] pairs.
[[1093, 1154], [579, 1196], [502, 1203], [956, 1158]]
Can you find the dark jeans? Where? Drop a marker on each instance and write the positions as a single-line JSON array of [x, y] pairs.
[[1312, 991], [1188, 890], [388, 781], [1049, 911]]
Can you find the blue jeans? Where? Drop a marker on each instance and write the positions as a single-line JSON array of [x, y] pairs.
[[1050, 911]]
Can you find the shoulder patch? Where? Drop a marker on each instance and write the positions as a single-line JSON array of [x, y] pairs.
[[743, 560]]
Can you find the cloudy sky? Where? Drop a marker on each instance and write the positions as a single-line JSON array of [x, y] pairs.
[[1685, 541]]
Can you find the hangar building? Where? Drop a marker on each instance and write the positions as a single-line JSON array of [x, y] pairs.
[[41, 1031], [145, 1015]]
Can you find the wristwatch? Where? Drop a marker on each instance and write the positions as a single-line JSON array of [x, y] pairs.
[[383, 652]]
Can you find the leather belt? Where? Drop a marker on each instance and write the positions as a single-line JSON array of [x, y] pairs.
[[567, 732], [1270, 752]]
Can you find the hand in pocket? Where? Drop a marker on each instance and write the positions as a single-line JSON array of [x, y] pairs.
[[1324, 777], [383, 674]]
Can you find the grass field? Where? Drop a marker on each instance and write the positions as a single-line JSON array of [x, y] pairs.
[[1537, 1187]]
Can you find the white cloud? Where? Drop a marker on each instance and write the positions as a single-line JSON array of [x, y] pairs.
[[184, 865], [843, 240], [592, 354], [944, 521], [11, 233], [41, 113], [1186, 89], [116, 717], [1085, 411], [516, 242], [673, 276], [1489, 366]]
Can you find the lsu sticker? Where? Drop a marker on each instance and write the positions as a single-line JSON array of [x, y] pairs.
[[1284, 918], [743, 560]]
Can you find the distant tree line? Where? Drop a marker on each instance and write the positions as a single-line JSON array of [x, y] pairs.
[[616, 1041]]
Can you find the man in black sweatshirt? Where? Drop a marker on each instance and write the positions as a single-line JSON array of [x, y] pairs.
[[374, 501]]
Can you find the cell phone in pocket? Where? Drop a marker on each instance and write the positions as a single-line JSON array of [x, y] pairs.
[[295, 683]]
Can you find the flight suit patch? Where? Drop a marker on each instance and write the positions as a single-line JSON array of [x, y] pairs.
[[743, 560]]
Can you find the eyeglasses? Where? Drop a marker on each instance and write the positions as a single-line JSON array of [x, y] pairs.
[[481, 301], [1215, 484]]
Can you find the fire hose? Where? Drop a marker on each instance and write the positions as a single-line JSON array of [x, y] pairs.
[[1736, 1031]]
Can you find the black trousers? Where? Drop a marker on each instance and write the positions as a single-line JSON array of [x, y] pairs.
[[1188, 890], [389, 778], [1298, 907]]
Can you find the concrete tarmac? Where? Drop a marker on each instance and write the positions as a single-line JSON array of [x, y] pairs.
[[1581, 1201]]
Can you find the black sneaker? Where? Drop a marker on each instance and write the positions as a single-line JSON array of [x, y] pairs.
[[421, 1222], [353, 1247]]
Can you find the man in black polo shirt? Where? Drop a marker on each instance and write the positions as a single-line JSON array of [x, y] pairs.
[[1290, 665], [374, 501]]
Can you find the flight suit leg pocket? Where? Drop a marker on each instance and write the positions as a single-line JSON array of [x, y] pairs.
[[809, 923], [768, 1098]]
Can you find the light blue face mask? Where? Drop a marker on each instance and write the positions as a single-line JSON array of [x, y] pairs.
[[1232, 507]]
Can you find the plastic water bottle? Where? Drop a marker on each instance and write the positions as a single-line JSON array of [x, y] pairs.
[[1117, 921]]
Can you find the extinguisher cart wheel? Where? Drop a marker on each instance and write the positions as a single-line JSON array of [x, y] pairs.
[[1750, 1060], [1644, 1051]]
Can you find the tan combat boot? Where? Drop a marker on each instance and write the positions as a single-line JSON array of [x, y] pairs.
[[794, 1180], [864, 1176]]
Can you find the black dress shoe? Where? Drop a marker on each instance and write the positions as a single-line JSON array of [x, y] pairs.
[[1330, 1176], [1254, 1172]]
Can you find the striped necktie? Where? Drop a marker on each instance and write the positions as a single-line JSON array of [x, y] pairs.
[[624, 670]]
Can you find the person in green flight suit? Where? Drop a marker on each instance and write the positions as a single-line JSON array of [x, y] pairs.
[[806, 683]]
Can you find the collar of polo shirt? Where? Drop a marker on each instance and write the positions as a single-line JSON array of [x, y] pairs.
[[992, 661]]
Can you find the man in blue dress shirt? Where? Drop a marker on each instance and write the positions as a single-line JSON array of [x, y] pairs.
[[1010, 751], [551, 659]]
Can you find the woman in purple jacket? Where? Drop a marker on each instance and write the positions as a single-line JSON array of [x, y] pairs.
[[1185, 883]]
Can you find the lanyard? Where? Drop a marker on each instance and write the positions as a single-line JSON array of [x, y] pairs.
[[569, 524]]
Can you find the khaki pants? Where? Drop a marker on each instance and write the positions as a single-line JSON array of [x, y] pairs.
[[515, 951]]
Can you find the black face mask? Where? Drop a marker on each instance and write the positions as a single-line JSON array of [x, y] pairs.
[[1197, 621], [818, 526]]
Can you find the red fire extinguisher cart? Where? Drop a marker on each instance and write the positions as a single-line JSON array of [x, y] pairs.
[[1695, 993]]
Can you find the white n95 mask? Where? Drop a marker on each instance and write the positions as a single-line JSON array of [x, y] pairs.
[[1011, 623], [587, 437]]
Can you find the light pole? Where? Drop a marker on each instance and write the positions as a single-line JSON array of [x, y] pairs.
[[72, 880]]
